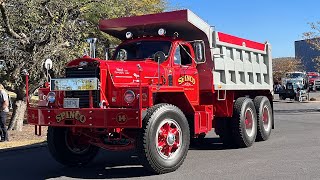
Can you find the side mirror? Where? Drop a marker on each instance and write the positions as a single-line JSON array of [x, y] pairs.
[[159, 56], [214, 39], [48, 64], [122, 55], [92, 42], [24, 72], [199, 52]]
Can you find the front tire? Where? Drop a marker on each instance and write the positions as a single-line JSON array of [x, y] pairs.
[[69, 149], [244, 122], [264, 114], [165, 139]]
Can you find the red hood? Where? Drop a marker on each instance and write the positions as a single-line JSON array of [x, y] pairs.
[[127, 73]]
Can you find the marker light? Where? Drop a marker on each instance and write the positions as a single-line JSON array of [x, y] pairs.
[[83, 63], [129, 96], [51, 97], [129, 35], [161, 32]]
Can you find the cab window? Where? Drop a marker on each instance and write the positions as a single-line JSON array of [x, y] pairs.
[[182, 55]]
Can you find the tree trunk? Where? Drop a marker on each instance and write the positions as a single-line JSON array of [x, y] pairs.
[[16, 122]]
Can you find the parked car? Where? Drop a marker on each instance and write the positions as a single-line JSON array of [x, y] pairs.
[[314, 80], [295, 86]]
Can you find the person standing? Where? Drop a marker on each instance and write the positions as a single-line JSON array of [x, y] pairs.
[[4, 109]]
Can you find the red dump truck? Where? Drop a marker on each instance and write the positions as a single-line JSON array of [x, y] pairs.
[[171, 80]]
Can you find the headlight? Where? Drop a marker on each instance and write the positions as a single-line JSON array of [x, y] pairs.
[[129, 35], [161, 32], [129, 96], [51, 97]]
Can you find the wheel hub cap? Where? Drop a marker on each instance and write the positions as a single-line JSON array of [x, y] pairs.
[[168, 138], [249, 123], [265, 118], [171, 139]]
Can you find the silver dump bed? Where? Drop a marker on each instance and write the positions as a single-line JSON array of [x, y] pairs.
[[241, 64]]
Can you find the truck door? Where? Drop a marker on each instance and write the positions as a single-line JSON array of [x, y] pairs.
[[185, 72]]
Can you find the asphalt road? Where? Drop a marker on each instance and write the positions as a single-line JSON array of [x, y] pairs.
[[292, 152]]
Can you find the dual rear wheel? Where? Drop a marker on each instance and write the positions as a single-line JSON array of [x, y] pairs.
[[251, 121]]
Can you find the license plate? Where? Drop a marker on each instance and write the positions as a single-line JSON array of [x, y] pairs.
[[71, 103]]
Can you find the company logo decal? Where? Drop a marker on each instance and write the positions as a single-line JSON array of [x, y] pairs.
[[122, 118], [71, 115], [186, 78]]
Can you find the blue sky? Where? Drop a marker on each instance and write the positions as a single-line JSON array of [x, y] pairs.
[[281, 22]]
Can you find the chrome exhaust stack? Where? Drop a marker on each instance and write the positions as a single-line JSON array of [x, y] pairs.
[[92, 42]]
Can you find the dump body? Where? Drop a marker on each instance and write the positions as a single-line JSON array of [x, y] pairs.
[[241, 64]]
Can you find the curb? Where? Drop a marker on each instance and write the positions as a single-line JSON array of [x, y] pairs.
[[296, 110], [22, 148], [296, 101]]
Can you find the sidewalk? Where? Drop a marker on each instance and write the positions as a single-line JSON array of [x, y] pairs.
[[294, 106]]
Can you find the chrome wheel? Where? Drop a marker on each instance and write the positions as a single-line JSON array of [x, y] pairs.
[[266, 118], [250, 124], [168, 139]]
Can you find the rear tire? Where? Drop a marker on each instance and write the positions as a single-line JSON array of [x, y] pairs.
[[244, 122], [68, 149], [264, 116], [164, 140]]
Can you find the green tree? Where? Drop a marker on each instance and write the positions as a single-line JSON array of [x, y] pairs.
[[34, 30], [283, 65], [313, 38]]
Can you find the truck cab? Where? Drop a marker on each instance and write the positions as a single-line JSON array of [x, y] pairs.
[[177, 69]]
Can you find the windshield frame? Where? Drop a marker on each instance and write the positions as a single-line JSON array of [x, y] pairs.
[[114, 56]]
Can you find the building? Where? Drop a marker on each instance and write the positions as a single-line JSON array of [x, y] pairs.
[[305, 52]]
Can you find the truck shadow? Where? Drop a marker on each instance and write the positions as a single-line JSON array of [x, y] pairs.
[[212, 143], [110, 165], [37, 163]]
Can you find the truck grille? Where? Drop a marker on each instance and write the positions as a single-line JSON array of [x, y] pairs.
[[84, 72], [84, 98]]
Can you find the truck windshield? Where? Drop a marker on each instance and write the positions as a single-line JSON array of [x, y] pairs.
[[141, 50], [294, 75]]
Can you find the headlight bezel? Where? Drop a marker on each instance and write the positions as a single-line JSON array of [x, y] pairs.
[[129, 96], [51, 97]]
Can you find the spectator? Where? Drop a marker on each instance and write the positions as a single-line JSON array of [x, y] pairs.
[[4, 109]]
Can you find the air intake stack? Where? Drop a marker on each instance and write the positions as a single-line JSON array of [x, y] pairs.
[[92, 42]]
